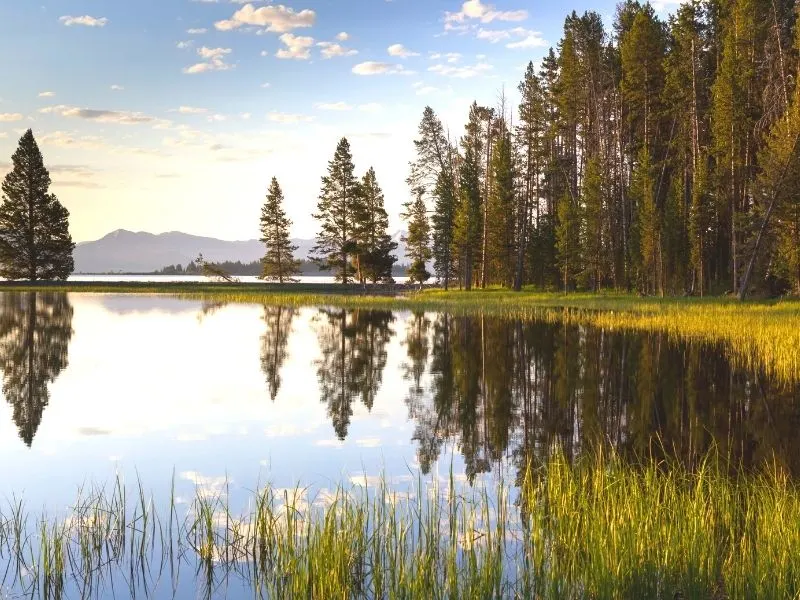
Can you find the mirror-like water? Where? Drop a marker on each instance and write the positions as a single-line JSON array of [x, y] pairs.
[[325, 392], [230, 396]]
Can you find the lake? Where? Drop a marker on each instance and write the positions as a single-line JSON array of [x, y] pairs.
[[226, 398]]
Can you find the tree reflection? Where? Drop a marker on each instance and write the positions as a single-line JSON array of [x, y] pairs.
[[273, 344], [353, 357], [35, 331], [511, 390]]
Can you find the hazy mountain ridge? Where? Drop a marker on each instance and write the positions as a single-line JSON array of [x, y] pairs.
[[143, 252]]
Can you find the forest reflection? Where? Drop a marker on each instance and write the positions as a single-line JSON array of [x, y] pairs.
[[502, 391], [506, 391]]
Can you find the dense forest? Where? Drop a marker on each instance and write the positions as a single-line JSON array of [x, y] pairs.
[[656, 156]]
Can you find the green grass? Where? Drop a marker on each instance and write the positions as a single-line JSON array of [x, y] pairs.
[[758, 334], [597, 528]]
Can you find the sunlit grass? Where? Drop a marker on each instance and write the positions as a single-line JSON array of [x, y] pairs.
[[597, 528]]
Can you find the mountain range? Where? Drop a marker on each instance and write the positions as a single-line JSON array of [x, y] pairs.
[[123, 251]]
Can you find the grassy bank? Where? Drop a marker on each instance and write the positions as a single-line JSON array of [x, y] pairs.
[[760, 334], [599, 528]]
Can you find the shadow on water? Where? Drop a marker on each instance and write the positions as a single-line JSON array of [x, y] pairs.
[[35, 331]]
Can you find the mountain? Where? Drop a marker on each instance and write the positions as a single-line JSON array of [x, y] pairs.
[[142, 252]]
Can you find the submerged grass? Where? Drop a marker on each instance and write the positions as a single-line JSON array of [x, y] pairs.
[[596, 528]]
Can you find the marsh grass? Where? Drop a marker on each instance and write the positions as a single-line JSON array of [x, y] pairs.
[[596, 528]]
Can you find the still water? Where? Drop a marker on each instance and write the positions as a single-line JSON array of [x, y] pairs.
[[97, 383], [217, 396]]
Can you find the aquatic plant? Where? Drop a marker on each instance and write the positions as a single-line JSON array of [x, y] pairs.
[[599, 527]]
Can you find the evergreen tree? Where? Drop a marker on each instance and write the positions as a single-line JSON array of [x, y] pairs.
[[592, 230], [530, 144], [501, 242], [279, 262], [34, 226], [433, 172], [647, 238], [568, 240], [443, 222], [418, 239], [375, 245], [468, 222], [338, 209]]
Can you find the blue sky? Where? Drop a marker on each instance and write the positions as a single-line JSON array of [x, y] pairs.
[[162, 115]]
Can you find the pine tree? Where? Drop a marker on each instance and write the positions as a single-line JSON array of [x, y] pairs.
[[568, 240], [647, 238], [338, 209], [375, 245], [501, 214], [279, 262], [592, 225], [433, 172], [467, 235], [418, 238], [530, 143], [778, 184], [34, 226]]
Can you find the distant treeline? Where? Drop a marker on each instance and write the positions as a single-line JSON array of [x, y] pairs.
[[253, 269]]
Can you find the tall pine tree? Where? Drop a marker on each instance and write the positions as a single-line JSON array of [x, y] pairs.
[[375, 245], [34, 226], [338, 209], [417, 239], [433, 172], [278, 263]]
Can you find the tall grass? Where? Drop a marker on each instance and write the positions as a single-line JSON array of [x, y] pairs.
[[596, 528]]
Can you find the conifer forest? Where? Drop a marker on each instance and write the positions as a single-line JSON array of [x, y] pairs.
[[645, 155]]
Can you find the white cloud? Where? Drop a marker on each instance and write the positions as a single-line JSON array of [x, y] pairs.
[[342, 36], [333, 106], [191, 110], [297, 46], [100, 116], [451, 57], [10, 117], [532, 40], [485, 13], [184, 45], [423, 89], [379, 68], [277, 18], [213, 60], [197, 31], [46, 94], [464, 72], [117, 88], [332, 49], [525, 38], [370, 107], [266, 85], [400, 51], [288, 118], [85, 20]]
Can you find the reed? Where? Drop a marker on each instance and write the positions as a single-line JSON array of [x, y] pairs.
[[598, 527]]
